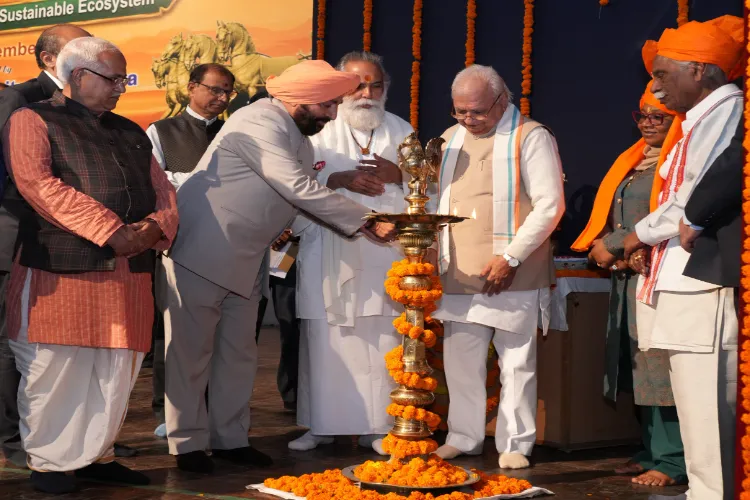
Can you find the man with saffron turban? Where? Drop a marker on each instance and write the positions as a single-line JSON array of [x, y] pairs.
[[626, 195], [694, 320], [245, 190]]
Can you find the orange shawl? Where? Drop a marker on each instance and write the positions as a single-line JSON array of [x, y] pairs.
[[626, 162]]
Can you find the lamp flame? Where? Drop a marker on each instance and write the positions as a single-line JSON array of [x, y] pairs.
[[474, 214]]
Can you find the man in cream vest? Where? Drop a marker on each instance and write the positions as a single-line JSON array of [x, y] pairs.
[[503, 170], [246, 189]]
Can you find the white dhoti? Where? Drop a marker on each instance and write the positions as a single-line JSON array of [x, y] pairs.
[[510, 321], [699, 330], [344, 387], [72, 400]]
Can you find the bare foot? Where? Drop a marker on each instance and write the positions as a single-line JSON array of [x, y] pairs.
[[630, 468], [654, 478]]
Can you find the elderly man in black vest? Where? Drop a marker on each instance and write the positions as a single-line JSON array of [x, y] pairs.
[[80, 307], [179, 143], [48, 46]]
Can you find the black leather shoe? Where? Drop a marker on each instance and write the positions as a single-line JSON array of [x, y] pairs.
[[195, 461], [54, 483], [122, 451], [112, 472], [245, 456]]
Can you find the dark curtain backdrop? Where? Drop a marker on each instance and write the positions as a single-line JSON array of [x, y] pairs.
[[588, 74]]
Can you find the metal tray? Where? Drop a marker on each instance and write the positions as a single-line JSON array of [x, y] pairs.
[[405, 490]]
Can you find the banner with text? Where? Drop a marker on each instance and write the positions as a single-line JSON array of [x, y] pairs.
[[163, 40]]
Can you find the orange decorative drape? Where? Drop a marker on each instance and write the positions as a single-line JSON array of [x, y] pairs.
[[528, 29], [682, 12], [321, 33], [471, 16], [743, 383], [367, 36], [416, 51]]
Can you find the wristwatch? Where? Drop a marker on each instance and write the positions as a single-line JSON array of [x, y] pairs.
[[512, 261]]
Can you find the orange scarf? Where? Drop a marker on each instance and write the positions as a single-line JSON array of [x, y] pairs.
[[626, 162]]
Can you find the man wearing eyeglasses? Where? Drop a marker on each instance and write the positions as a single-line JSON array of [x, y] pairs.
[[49, 44], [691, 313], [179, 143], [80, 308], [503, 170]]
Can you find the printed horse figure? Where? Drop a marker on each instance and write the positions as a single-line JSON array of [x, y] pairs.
[[250, 68], [172, 75], [199, 49]]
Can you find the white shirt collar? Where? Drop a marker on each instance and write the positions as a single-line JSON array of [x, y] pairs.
[[54, 79], [700, 109], [199, 117]]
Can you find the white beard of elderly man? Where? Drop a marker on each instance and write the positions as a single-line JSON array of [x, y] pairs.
[[346, 318], [497, 268]]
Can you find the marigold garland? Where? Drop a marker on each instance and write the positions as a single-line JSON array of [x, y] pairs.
[[367, 35], [413, 413], [416, 50], [413, 298], [400, 448], [743, 480], [603, 3], [682, 12], [415, 332], [471, 16], [528, 29], [320, 43]]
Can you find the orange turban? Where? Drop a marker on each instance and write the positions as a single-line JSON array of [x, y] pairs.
[[626, 162], [719, 41], [311, 82]]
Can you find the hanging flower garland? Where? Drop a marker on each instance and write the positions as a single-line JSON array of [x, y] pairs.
[[528, 29], [367, 37], [603, 3], [320, 44], [682, 12], [416, 50], [743, 410], [471, 16], [412, 412]]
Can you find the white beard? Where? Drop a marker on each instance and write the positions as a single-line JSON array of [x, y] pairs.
[[361, 118]]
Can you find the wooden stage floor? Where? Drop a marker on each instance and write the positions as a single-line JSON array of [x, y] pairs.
[[577, 475]]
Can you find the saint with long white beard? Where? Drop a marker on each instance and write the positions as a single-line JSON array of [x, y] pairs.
[[346, 318]]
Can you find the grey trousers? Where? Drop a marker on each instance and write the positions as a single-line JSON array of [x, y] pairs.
[[210, 342]]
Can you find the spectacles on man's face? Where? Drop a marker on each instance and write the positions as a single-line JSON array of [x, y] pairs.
[[116, 81], [480, 116], [652, 118], [218, 91]]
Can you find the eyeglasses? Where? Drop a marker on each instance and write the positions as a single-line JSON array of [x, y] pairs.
[[218, 91], [476, 115], [653, 118], [115, 81]]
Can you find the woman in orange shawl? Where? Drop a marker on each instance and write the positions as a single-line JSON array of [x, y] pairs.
[[626, 195]]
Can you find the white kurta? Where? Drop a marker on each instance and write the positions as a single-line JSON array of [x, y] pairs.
[[346, 315], [509, 319]]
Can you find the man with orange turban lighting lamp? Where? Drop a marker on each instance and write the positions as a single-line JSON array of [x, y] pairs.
[[626, 195], [693, 320], [254, 177]]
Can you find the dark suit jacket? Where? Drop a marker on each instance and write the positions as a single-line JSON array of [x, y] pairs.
[[12, 98], [716, 205]]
